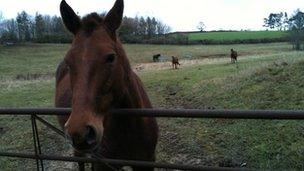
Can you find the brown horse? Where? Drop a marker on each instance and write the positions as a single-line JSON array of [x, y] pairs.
[[175, 62], [233, 56], [94, 77]]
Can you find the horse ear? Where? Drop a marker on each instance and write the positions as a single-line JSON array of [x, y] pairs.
[[114, 17], [70, 19]]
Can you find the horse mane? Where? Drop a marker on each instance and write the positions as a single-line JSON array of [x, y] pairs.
[[91, 21], [61, 71]]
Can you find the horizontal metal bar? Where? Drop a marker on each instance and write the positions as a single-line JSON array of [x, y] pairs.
[[36, 111], [118, 162], [171, 113], [228, 114]]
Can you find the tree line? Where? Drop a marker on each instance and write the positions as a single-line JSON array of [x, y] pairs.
[[50, 29], [294, 24]]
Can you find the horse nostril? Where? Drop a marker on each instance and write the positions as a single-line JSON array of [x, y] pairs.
[[90, 136], [76, 140]]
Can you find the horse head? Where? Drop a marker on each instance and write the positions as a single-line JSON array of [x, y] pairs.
[[97, 67]]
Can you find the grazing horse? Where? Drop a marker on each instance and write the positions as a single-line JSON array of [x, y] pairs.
[[175, 62], [94, 77], [156, 57], [233, 56]]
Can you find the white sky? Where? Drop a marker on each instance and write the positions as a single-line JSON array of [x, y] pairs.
[[181, 15]]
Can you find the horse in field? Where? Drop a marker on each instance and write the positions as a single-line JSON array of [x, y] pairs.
[[175, 62], [94, 77], [233, 56], [156, 57]]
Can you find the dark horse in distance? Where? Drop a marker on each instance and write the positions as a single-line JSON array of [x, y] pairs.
[[94, 77], [175, 62], [233, 56], [156, 57]]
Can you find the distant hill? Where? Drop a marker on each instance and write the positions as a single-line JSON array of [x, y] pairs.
[[227, 37]]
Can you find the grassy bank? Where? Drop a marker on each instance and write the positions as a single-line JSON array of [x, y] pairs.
[[266, 77], [237, 35]]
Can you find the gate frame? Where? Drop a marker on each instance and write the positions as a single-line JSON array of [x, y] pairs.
[[35, 114]]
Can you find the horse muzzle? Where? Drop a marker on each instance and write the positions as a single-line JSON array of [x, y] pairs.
[[86, 142]]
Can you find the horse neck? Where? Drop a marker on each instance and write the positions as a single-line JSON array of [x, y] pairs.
[[133, 94]]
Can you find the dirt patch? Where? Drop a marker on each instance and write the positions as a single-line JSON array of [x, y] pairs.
[[168, 65], [205, 60], [227, 55], [221, 55]]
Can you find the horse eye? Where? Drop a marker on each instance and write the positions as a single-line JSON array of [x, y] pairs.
[[110, 58], [67, 66]]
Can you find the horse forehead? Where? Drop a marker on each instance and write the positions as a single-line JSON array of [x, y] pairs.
[[99, 34], [90, 48]]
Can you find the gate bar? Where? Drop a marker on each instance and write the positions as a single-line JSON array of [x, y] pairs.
[[36, 134], [35, 142], [172, 113], [52, 127]]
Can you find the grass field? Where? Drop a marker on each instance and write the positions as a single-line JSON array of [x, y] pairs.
[[268, 76], [240, 35], [43, 58]]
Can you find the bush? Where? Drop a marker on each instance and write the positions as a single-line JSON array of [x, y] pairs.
[[55, 38], [8, 37]]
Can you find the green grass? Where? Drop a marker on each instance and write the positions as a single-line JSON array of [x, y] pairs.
[[267, 77], [43, 58], [237, 35], [265, 82], [30, 59], [16, 135], [144, 53]]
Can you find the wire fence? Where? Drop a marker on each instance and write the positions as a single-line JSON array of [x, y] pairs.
[[35, 114]]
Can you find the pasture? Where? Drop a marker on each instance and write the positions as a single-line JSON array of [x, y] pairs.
[[267, 76], [239, 35]]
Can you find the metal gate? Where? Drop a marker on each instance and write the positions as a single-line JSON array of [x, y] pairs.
[[35, 114]]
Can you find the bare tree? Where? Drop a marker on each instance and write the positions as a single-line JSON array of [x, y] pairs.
[[296, 24], [285, 22], [1, 23], [201, 26], [274, 20], [162, 28], [9, 31], [1, 16]]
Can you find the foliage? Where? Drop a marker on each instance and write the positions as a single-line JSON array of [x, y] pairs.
[[23, 23], [296, 24], [9, 32], [40, 26], [133, 30], [50, 29], [276, 20], [1, 16], [25, 28]]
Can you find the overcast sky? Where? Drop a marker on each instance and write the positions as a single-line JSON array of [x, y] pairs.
[[181, 15]]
